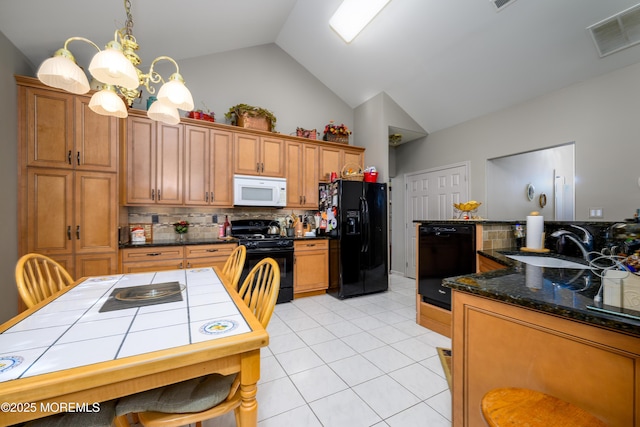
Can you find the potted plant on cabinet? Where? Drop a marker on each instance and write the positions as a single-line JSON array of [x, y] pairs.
[[251, 117]]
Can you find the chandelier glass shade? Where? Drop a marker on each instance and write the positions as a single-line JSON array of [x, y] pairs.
[[121, 82]]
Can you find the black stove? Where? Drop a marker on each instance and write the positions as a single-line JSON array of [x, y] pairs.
[[253, 234]]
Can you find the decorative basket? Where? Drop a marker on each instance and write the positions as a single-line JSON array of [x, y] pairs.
[[306, 133], [352, 172], [343, 139], [254, 122]]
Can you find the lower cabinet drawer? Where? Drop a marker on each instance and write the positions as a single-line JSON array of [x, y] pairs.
[[152, 254]]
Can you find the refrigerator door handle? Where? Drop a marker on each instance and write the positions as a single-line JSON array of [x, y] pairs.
[[366, 225], [362, 225]]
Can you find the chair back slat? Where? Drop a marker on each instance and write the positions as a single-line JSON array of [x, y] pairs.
[[260, 289], [38, 277], [233, 266]]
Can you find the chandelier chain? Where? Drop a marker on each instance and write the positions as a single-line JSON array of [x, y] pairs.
[[128, 25]]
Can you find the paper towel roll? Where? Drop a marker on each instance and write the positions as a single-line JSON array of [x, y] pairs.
[[533, 277], [535, 228]]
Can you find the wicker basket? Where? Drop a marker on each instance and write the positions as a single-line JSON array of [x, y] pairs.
[[254, 122], [353, 176], [343, 139]]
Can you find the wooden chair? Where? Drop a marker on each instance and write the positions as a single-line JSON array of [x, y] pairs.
[[259, 291], [38, 277], [235, 263], [518, 406]]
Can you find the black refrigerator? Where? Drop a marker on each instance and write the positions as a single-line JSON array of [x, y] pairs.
[[357, 225]]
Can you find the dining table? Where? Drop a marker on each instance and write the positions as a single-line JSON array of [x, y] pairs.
[[111, 336]]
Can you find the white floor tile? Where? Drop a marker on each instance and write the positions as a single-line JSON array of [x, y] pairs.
[[356, 370], [362, 342], [298, 360], [344, 409], [277, 397], [420, 380], [318, 382], [302, 416], [270, 369], [358, 362], [387, 358], [386, 396], [417, 416]]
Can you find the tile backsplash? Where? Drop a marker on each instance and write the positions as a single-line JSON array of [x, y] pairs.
[[498, 236], [204, 223]]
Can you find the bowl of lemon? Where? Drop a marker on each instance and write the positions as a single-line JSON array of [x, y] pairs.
[[465, 210]]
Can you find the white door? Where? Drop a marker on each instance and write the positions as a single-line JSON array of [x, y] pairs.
[[430, 195]]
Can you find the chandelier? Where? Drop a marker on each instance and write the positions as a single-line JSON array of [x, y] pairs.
[[116, 73]]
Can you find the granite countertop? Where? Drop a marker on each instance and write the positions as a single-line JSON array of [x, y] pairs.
[[558, 291], [173, 242]]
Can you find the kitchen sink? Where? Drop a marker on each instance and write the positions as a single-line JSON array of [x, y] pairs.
[[543, 261]]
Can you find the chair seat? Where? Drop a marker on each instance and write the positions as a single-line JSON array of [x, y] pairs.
[[522, 407], [102, 417]]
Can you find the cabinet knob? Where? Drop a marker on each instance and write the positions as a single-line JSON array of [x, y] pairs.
[[212, 250], [69, 157], [69, 232], [159, 195], [153, 194], [154, 253], [78, 232], [78, 158]]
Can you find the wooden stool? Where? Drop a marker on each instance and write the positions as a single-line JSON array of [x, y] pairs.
[[503, 407]]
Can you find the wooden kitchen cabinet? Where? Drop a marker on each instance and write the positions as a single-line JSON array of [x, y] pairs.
[[71, 214], [67, 178], [60, 131], [333, 158], [208, 167], [487, 264], [496, 344], [259, 155], [302, 175], [310, 266], [153, 169], [199, 256], [140, 260], [143, 259]]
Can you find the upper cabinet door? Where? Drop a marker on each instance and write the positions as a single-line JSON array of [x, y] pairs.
[[169, 168], [96, 139], [48, 128], [272, 157], [246, 154], [196, 173], [221, 169], [256, 155], [140, 171]]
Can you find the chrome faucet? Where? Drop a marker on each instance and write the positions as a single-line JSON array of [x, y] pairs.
[[585, 244]]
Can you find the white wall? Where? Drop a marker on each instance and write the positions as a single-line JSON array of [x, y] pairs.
[[508, 178], [11, 62], [263, 76], [602, 117]]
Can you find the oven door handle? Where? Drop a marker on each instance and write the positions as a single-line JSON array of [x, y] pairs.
[[272, 251]]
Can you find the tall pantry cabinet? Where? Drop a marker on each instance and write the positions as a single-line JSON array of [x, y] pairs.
[[67, 177]]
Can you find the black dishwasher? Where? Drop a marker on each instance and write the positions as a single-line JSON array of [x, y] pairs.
[[445, 250]]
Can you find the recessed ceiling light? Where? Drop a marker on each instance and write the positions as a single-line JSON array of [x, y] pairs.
[[353, 15]]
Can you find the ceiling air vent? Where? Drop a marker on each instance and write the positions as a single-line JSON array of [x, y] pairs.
[[617, 32], [500, 4]]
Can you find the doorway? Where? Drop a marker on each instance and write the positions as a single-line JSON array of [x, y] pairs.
[[430, 195]]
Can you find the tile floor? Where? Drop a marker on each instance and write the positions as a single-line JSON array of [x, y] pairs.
[[351, 363]]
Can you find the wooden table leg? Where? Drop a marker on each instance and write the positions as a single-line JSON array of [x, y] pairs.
[[249, 376]]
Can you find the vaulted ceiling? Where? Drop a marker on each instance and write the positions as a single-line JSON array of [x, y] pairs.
[[442, 61]]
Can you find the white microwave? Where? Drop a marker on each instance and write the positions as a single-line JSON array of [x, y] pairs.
[[259, 191]]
